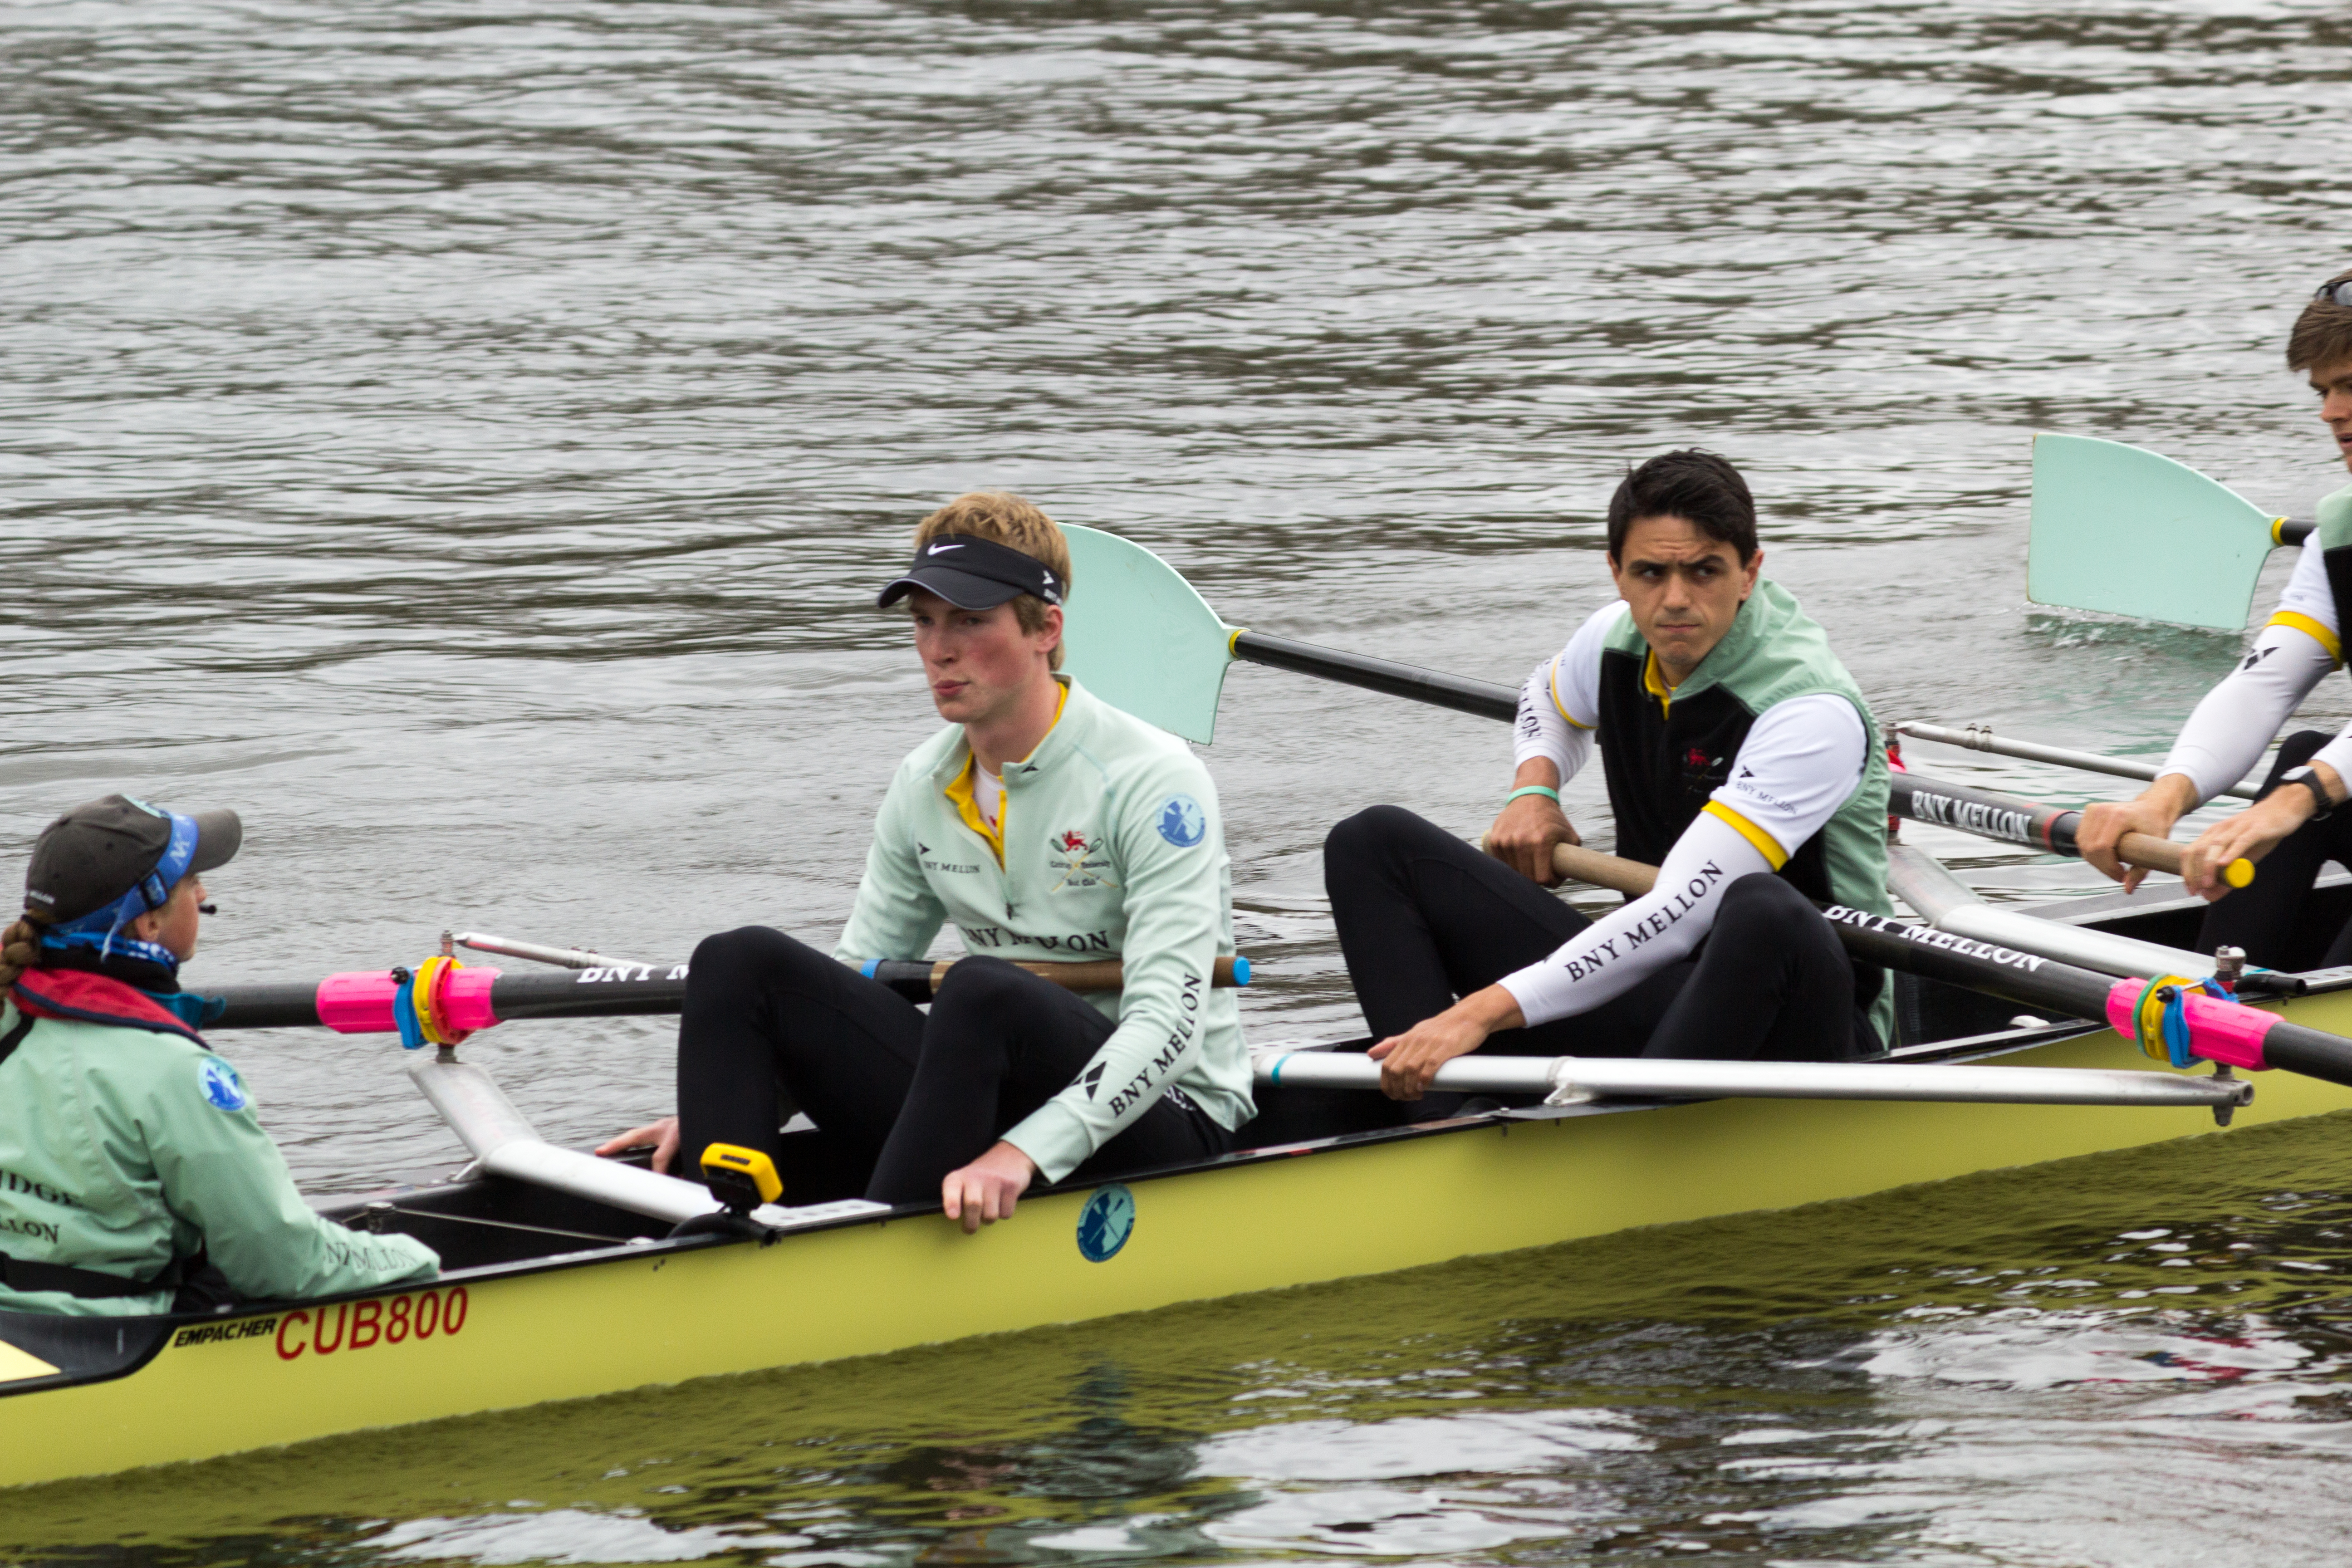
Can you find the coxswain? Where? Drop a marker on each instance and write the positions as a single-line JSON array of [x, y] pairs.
[[134, 1167], [2294, 827], [1740, 759], [1046, 825]]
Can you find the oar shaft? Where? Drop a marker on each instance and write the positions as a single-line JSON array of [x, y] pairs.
[[2220, 1030], [1990, 814], [361, 1003], [1980, 737], [1460, 693]]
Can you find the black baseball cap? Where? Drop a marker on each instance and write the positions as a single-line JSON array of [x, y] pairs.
[[973, 574], [106, 851]]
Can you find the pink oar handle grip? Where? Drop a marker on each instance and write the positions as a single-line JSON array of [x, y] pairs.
[[361, 1003], [2219, 1031]]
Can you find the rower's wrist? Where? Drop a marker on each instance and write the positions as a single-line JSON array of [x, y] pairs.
[[1542, 791], [2175, 796], [1493, 1009]]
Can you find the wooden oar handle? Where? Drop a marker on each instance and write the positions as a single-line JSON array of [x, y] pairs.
[[2153, 854], [1579, 864], [1105, 973]]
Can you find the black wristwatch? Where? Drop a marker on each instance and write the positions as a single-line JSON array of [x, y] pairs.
[[2309, 779]]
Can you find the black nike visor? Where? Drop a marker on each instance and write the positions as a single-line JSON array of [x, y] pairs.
[[973, 575]]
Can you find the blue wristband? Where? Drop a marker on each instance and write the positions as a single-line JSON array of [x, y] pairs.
[[1533, 789]]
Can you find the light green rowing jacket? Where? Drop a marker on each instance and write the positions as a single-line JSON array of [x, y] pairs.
[[122, 1148], [1113, 847]]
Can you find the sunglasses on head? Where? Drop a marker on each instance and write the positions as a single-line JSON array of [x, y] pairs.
[[2337, 294]]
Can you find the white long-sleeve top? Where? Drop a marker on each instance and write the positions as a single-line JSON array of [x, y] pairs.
[[1800, 762], [2227, 731]]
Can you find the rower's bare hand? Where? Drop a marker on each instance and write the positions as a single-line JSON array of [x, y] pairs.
[[662, 1136], [2249, 834], [1522, 836], [985, 1191], [1408, 1061], [2103, 827]]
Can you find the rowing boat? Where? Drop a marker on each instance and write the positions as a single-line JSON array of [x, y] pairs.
[[550, 1296]]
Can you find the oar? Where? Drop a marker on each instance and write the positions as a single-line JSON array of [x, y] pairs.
[[2226, 1032], [2128, 531], [1980, 737], [1146, 636], [2013, 819], [361, 1003], [1143, 639]]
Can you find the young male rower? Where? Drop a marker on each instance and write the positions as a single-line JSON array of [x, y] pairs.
[[1048, 826], [2294, 827], [132, 1160], [1741, 759]]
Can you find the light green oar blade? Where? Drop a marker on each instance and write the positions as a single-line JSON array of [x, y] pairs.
[[1140, 638], [2128, 531]]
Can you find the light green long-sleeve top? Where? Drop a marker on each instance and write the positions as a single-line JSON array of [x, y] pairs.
[[122, 1148], [1113, 847]]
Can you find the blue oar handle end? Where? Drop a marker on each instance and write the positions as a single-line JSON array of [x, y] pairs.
[[1241, 970]]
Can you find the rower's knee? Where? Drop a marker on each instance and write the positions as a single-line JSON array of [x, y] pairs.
[[1372, 836], [750, 949], [982, 987], [1758, 902]]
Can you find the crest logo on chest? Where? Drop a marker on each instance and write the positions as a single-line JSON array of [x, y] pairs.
[[1079, 859]]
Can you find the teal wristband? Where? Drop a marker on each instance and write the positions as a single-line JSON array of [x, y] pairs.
[[1533, 789]]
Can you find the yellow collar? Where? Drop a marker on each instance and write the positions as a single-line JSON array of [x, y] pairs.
[[1654, 686], [960, 789]]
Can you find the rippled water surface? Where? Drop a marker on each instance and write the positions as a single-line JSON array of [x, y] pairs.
[[464, 439]]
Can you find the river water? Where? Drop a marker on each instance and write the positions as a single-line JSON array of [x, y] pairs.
[[464, 439]]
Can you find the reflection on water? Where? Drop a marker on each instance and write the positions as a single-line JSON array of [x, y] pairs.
[[464, 437]]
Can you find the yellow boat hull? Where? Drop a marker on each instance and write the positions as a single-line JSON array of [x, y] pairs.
[[623, 1319]]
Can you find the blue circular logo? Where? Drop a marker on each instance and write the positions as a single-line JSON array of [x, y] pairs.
[[1106, 1223], [1182, 822], [222, 1090]]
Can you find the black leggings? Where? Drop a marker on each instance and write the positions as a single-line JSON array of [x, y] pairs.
[[772, 1025], [1424, 919], [2266, 917]]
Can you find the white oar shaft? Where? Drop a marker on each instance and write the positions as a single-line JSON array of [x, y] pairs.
[[1572, 1077], [1980, 737]]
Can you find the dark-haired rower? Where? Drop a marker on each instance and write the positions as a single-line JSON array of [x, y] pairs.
[[129, 1154], [2294, 828], [1741, 759]]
